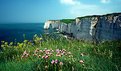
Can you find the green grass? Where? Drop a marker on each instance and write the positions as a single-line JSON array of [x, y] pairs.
[[67, 21], [102, 57]]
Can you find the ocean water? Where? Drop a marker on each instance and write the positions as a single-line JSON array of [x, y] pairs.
[[18, 32]]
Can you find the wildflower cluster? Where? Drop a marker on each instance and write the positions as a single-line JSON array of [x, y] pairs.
[[56, 62], [25, 54], [54, 58], [46, 53], [60, 53]]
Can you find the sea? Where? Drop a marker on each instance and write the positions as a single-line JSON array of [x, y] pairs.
[[18, 32]]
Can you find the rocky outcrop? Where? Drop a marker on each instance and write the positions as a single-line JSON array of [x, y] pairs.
[[94, 28], [51, 23]]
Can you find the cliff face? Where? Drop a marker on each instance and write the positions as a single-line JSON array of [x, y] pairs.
[[94, 28], [109, 27], [51, 23]]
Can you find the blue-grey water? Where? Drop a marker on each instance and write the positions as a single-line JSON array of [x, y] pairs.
[[20, 31]]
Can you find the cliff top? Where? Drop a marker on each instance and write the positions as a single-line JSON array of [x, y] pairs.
[[53, 20], [67, 21], [115, 14]]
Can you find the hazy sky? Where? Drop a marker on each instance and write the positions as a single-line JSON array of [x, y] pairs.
[[35, 11]]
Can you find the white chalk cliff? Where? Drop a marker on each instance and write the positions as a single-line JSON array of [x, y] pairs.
[[95, 27], [54, 24]]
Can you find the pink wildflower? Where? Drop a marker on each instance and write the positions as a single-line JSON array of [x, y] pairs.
[[43, 56], [46, 56], [50, 53], [25, 54], [52, 62], [47, 51], [57, 50], [40, 51], [61, 63], [62, 53], [81, 61], [56, 61], [22, 56], [37, 50], [58, 54]]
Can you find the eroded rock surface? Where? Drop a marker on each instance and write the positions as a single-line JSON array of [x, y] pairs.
[[94, 21], [53, 23]]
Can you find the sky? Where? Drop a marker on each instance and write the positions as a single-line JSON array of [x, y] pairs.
[[37, 11]]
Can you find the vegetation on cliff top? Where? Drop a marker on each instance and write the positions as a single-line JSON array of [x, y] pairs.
[[60, 54], [67, 21], [98, 15]]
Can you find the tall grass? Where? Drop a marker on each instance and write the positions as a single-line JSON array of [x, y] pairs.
[[60, 54]]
